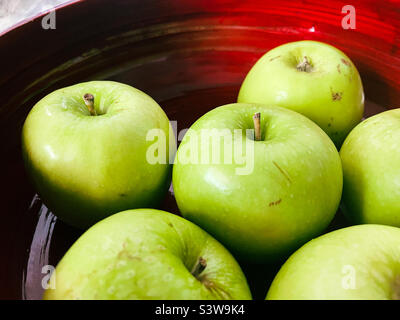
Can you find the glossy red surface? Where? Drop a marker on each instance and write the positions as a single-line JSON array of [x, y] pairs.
[[188, 55]]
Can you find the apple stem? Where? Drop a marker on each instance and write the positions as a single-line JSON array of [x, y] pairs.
[[304, 65], [89, 101], [257, 128], [199, 267]]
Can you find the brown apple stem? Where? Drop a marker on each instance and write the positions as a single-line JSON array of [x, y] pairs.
[[89, 101], [257, 128], [199, 267], [304, 65]]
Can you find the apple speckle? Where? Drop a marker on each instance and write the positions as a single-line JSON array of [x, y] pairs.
[[345, 62], [283, 172], [274, 203], [336, 96], [274, 58]]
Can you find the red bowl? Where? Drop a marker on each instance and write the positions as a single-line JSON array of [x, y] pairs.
[[188, 55]]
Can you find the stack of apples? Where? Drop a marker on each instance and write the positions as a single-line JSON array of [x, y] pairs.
[[258, 180]]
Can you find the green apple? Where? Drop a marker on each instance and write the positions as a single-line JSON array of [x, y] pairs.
[[283, 192], [89, 162], [358, 262], [371, 168], [312, 78], [147, 254]]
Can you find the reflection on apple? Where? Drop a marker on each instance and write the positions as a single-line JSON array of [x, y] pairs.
[[87, 159], [312, 78], [358, 262], [147, 254], [286, 193], [371, 168]]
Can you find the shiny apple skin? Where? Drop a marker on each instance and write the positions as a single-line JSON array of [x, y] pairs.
[[371, 170], [331, 94], [289, 197], [356, 263], [147, 254], [88, 167]]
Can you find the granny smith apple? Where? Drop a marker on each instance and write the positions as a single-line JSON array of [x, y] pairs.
[[358, 262], [273, 195], [312, 78], [147, 254], [86, 150], [371, 167]]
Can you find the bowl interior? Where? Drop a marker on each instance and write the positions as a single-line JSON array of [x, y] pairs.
[[190, 58]]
